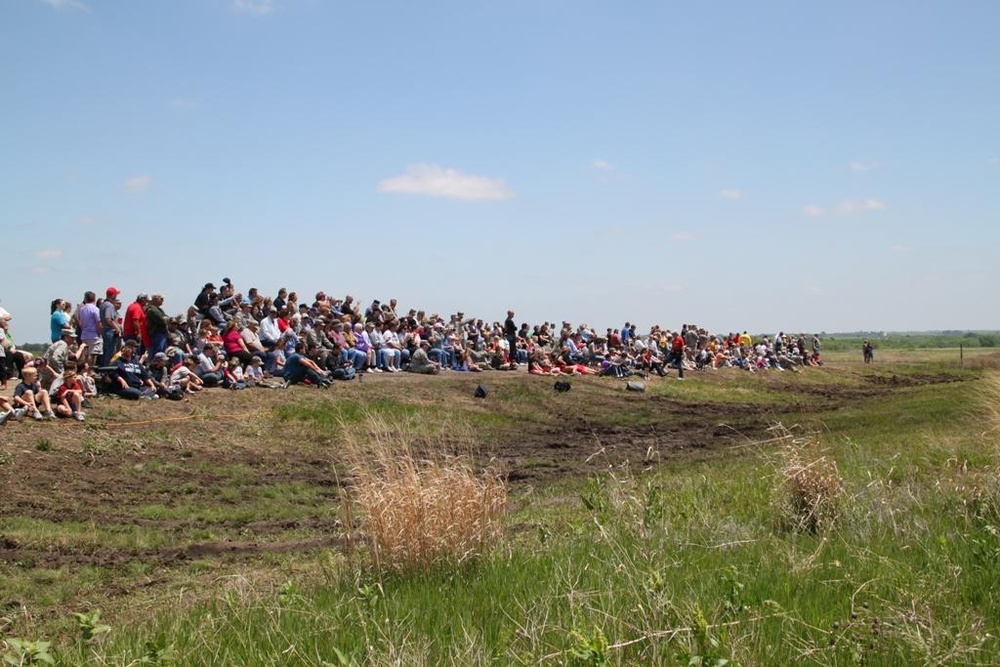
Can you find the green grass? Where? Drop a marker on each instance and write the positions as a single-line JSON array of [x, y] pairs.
[[690, 562]]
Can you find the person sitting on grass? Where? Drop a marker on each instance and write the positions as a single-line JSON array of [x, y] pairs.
[[183, 377], [58, 354], [8, 411], [210, 366], [87, 381], [253, 374], [421, 363], [299, 367], [233, 375], [539, 364], [30, 395], [133, 380], [69, 396]]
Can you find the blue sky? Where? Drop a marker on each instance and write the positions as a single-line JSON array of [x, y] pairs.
[[760, 166]]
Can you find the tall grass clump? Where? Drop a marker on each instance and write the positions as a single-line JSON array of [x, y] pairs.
[[810, 488], [989, 400], [421, 505], [982, 487]]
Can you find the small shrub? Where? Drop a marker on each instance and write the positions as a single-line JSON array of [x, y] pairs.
[[420, 506], [809, 487]]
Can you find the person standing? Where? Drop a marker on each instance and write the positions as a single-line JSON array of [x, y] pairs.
[[57, 320], [89, 319], [134, 327], [156, 325], [111, 330], [510, 333], [677, 353]]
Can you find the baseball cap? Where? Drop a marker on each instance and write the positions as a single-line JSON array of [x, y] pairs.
[[113, 291]]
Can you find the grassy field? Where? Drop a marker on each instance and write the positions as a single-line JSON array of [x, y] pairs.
[[848, 514]]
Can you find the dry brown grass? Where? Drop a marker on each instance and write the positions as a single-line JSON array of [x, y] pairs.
[[990, 401], [421, 506], [810, 489]]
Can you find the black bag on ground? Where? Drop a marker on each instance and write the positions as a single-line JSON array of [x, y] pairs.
[[635, 386], [562, 385], [480, 391]]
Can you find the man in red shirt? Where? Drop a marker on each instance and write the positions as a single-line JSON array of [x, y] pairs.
[[677, 353], [134, 327]]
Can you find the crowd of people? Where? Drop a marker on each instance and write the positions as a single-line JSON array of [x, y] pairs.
[[235, 340]]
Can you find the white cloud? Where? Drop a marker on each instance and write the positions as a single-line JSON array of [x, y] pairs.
[[74, 5], [863, 165], [258, 7], [86, 221], [994, 160], [731, 193], [48, 253], [435, 181], [853, 206], [39, 269], [683, 236], [602, 165], [139, 183], [847, 207], [899, 247], [184, 104]]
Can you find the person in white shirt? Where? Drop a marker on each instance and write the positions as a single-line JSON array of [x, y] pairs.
[[269, 332]]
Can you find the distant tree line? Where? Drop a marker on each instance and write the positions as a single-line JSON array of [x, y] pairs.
[[905, 341]]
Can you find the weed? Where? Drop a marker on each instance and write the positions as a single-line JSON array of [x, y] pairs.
[[20, 652], [707, 648], [90, 625], [420, 506], [654, 508], [43, 445], [157, 652], [589, 651], [595, 496]]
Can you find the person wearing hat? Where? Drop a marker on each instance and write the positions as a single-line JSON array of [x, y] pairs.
[[253, 374], [421, 363], [255, 346], [156, 324], [68, 398], [111, 330], [57, 355], [134, 326], [160, 373], [201, 302]]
